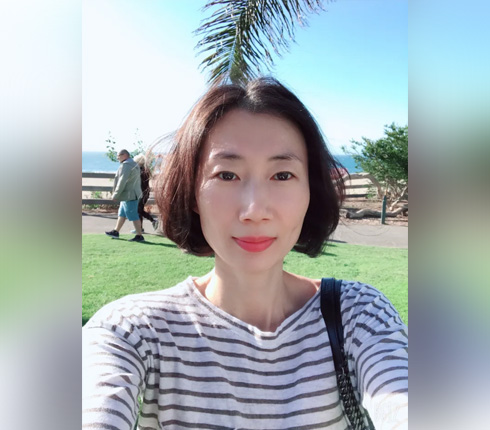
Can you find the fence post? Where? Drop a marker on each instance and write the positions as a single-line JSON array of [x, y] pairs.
[[383, 210]]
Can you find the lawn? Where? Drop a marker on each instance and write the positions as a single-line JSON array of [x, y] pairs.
[[115, 268]]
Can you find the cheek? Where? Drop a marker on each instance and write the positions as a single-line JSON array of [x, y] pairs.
[[211, 203], [296, 204]]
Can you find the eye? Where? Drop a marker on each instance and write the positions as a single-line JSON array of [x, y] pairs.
[[283, 176], [227, 176]]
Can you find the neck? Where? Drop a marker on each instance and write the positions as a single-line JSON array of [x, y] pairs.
[[263, 300]]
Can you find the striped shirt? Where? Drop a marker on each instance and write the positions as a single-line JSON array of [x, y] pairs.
[[172, 360]]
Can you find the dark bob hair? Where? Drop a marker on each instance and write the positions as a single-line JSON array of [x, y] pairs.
[[175, 185]]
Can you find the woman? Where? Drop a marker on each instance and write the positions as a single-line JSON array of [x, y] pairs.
[[245, 346], [145, 188]]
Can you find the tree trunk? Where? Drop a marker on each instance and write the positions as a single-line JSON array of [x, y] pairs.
[[399, 199], [372, 213]]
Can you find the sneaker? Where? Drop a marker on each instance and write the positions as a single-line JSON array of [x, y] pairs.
[[154, 223], [134, 231], [113, 233], [137, 238]]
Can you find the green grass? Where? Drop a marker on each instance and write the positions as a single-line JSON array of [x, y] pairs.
[[115, 268]]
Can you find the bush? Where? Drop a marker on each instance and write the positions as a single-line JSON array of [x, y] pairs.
[[387, 160]]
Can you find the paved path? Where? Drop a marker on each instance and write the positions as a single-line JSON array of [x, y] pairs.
[[356, 234], [391, 236]]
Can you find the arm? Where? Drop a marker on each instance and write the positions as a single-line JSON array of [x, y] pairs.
[[112, 379], [377, 347]]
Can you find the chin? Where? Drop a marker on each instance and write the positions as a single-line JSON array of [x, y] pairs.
[[256, 262]]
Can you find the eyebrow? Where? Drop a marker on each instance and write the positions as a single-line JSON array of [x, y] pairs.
[[226, 155]]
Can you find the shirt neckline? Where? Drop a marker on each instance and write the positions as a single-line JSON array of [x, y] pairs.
[[248, 330]]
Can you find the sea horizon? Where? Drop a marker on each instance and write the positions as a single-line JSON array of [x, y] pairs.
[[97, 161]]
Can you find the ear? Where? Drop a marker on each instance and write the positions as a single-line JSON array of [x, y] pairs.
[[194, 206]]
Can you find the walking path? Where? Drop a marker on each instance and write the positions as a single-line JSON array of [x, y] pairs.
[[357, 234]]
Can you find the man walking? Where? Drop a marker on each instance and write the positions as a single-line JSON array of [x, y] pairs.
[[127, 190]]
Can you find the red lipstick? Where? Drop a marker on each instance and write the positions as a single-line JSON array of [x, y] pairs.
[[254, 243]]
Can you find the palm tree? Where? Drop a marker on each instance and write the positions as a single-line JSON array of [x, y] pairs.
[[239, 35]]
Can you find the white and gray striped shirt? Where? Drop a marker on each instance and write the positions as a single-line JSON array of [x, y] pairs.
[[196, 367]]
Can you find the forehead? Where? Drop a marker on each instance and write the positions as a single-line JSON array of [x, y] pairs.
[[252, 135]]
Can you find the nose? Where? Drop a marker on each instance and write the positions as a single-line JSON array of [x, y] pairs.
[[254, 203]]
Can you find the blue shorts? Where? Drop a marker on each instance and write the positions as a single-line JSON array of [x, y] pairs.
[[129, 209]]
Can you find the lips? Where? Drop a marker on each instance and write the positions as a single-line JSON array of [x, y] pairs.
[[254, 243]]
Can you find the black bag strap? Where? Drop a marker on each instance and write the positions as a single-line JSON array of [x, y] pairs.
[[330, 307]]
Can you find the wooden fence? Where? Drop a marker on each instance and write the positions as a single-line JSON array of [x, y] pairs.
[[358, 186], [100, 182]]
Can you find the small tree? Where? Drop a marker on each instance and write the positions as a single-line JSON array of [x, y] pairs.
[[111, 151], [139, 149], [386, 159]]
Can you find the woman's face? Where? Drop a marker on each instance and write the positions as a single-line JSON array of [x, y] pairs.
[[252, 189]]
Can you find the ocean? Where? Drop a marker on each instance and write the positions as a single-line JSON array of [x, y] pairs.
[[348, 162], [99, 162]]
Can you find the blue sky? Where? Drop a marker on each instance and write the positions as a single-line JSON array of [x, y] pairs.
[[140, 70]]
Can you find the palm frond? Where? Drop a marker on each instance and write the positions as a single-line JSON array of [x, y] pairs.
[[239, 36]]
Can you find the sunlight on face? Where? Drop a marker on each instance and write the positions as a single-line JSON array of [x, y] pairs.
[[252, 189]]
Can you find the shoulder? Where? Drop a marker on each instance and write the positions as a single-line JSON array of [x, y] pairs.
[[358, 290], [359, 295], [129, 164], [301, 287], [124, 166], [137, 309], [367, 313]]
